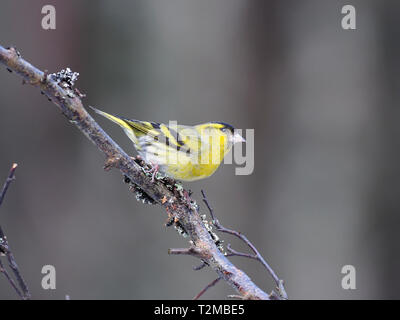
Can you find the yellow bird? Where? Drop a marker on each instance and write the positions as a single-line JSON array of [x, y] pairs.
[[186, 153]]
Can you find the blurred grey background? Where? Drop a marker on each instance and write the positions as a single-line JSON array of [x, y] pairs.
[[324, 105]]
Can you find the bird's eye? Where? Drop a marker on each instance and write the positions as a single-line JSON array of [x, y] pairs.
[[223, 129]]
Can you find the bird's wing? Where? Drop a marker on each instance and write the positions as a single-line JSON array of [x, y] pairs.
[[133, 128], [171, 143], [154, 139]]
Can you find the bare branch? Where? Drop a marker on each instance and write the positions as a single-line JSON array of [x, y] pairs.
[[235, 296], [211, 284], [23, 290], [187, 251], [233, 252], [200, 266], [176, 202], [9, 179], [4, 271], [255, 256]]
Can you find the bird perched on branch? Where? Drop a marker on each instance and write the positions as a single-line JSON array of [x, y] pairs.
[[186, 153]]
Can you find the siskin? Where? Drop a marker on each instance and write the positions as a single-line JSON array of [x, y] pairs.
[[186, 153]]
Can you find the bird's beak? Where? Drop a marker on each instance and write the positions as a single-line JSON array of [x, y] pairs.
[[237, 138]]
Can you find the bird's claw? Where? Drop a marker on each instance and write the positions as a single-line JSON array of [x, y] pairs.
[[153, 171]]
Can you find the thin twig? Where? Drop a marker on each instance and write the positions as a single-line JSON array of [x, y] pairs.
[[232, 252], [6, 185], [185, 251], [235, 296], [200, 266], [4, 271], [211, 284], [23, 290]]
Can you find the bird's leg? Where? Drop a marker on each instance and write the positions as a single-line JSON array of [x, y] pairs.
[[187, 196], [153, 170]]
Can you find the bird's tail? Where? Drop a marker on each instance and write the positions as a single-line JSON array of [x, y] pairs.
[[124, 124], [115, 119]]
